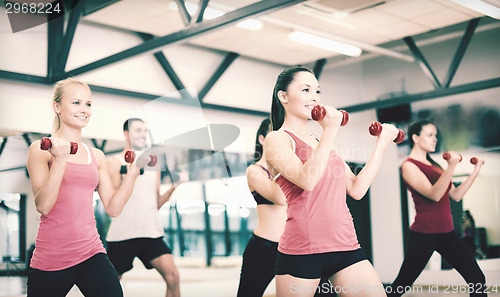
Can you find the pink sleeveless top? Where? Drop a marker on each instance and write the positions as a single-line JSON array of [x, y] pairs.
[[67, 235], [318, 221], [431, 216]]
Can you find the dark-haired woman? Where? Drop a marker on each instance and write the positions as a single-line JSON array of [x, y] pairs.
[[259, 256], [433, 230], [319, 239]]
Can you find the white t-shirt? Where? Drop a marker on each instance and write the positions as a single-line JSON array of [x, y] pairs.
[[140, 217]]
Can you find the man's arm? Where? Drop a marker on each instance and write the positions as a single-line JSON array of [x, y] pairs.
[[163, 198]]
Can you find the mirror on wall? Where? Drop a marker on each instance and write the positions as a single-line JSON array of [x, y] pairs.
[[473, 130], [12, 233], [215, 199]]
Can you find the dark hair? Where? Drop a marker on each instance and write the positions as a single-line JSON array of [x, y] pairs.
[[285, 78], [415, 129], [469, 216], [129, 122], [263, 130]]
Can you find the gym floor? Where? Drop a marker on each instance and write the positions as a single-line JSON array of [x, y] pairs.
[[221, 279]]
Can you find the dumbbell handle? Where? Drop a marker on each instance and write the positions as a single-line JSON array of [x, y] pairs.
[[130, 157], [375, 129], [45, 144], [318, 113], [447, 156]]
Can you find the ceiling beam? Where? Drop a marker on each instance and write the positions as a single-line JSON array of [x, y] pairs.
[[27, 139], [191, 102], [169, 70], [13, 168], [229, 18], [185, 16], [97, 145], [455, 90], [228, 60], [23, 77], [422, 62], [198, 18], [55, 31], [174, 78], [2, 146], [443, 92], [423, 39], [74, 19], [457, 59]]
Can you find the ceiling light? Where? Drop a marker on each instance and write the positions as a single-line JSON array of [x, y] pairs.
[[251, 24], [327, 44], [487, 7]]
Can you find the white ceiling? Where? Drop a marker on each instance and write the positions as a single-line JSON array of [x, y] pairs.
[[364, 22]]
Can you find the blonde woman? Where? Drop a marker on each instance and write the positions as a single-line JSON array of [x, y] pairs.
[[68, 250]]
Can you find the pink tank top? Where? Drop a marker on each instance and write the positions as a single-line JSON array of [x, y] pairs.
[[431, 216], [318, 221], [67, 235]]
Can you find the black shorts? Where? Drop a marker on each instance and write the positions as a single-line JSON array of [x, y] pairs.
[[317, 265], [122, 253]]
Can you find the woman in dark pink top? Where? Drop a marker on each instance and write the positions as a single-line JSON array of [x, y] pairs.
[[432, 230], [68, 250], [319, 239]]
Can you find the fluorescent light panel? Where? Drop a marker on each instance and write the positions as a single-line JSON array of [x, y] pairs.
[[211, 13], [251, 24], [326, 44], [481, 7]]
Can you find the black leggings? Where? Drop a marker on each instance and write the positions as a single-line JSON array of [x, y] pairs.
[[419, 249], [95, 277], [257, 270]]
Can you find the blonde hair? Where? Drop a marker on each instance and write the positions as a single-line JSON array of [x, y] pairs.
[[58, 94]]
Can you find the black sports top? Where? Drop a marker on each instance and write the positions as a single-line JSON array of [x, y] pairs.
[[258, 197]]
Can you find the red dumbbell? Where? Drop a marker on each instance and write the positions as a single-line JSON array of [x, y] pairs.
[[345, 117], [130, 157], [45, 144], [446, 156], [153, 160], [474, 160], [319, 112], [375, 129]]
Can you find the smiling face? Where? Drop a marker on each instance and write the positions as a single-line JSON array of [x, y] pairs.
[[302, 95], [137, 135], [75, 106], [427, 139]]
